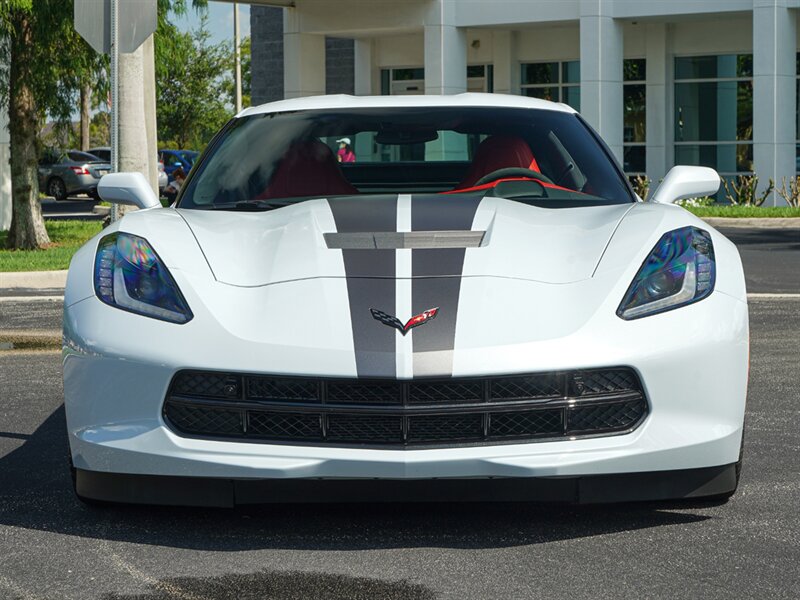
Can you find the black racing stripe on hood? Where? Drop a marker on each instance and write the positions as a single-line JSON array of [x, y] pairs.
[[437, 280], [370, 282]]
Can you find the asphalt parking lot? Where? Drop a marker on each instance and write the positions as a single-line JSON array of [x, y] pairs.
[[53, 547]]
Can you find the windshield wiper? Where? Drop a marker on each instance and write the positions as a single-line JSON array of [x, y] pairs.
[[253, 205]]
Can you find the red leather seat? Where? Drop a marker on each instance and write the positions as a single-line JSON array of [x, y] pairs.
[[499, 152], [309, 168]]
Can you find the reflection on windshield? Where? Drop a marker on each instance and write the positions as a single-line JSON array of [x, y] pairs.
[[516, 153]]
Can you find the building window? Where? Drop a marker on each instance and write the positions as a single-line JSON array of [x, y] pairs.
[[714, 112], [634, 120], [402, 81], [405, 81], [480, 78], [555, 81]]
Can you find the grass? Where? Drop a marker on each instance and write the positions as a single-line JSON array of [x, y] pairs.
[[66, 237], [744, 212]]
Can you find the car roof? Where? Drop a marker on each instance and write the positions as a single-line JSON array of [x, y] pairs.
[[345, 101]]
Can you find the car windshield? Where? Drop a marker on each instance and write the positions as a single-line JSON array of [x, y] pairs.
[[545, 157], [76, 156]]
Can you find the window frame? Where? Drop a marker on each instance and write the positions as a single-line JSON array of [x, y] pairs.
[[643, 143], [716, 143], [561, 85]]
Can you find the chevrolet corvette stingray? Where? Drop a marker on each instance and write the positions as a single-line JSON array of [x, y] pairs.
[[477, 307]]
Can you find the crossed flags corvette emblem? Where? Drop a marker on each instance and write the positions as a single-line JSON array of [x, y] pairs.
[[415, 321]]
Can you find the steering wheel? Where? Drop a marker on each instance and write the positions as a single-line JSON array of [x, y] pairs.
[[511, 172]]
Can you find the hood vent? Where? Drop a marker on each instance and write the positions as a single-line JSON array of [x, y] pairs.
[[409, 240]]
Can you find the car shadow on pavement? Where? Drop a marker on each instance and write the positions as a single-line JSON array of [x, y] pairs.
[[36, 493]]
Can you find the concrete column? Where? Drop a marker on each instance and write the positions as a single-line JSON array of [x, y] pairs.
[[601, 71], [149, 91], [5, 171], [303, 59], [658, 118], [445, 51], [774, 103], [363, 67], [505, 63], [133, 147]]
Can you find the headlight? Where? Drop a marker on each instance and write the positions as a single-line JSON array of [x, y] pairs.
[[128, 274], [679, 271]]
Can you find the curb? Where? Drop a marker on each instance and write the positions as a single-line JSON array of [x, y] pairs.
[[34, 280], [101, 210], [755, 223], [32, 339]]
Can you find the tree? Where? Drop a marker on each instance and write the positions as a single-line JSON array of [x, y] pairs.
[[246, 76], [39, 45], [192, 85]]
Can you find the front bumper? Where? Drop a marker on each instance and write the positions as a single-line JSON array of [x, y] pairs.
[[696, 382], [592, 489]]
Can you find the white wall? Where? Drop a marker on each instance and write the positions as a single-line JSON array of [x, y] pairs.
[[549, 43]]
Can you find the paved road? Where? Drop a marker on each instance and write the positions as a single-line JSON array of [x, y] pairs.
[[53, 547], [771, 258]]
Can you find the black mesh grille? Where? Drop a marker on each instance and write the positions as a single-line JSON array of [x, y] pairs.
[[365, 428], [288, 426], [612, 416], [533, 386], [364, 392], [220, 385], [202, 419], [605, 381], [434, 428], [282, 390], [528, 423], [439, 392], [382, 412]]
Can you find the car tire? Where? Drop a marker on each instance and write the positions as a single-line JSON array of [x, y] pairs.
[[57, 189]]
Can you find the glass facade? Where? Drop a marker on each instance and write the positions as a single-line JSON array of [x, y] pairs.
[[714, 112], [797, 113], [634, 105], [554, 81]]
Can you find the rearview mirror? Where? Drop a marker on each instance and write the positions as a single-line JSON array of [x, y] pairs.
[[687, 182], [127, 188]]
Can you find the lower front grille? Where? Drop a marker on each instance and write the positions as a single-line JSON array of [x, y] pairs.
[[387, 413]]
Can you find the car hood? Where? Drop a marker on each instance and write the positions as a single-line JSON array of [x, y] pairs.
[[358, 237]]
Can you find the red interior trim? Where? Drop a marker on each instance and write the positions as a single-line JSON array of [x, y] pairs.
[[492, 184]]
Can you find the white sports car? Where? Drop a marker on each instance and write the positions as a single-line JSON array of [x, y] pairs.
[[462, 300]]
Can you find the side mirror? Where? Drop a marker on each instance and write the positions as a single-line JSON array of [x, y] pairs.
[[127, 188], [686, 182]]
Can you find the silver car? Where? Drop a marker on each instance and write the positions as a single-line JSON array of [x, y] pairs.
[[71, 172], [104, 152]]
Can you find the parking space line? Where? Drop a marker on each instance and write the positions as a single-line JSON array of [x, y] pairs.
[[172, 590], [757, 296]]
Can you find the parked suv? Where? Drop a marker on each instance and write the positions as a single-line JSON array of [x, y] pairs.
[[64, 173]]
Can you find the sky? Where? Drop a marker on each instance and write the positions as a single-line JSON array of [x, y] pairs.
[[220, 20]]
